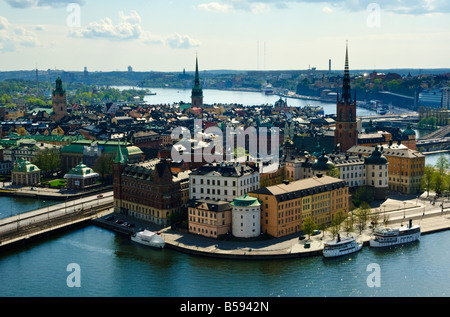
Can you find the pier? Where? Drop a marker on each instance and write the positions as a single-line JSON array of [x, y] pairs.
[[26, 226]]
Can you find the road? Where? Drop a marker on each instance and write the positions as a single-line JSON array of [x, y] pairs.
[[52, 212]]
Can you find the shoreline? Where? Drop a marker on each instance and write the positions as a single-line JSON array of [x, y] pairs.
[[287, 247]]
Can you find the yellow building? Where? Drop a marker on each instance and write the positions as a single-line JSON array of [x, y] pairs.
[[285, 206], [406, 166]]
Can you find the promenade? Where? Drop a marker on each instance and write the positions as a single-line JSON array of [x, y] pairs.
[[400, 209]]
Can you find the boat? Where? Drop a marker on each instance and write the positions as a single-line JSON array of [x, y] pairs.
[[386, 237], [148, 238], [267, 89], [340, 247]]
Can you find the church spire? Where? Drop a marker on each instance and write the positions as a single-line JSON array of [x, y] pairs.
[[346, 96], [197, 92]]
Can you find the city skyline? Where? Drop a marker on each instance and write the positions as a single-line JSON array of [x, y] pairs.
[[224, 34]]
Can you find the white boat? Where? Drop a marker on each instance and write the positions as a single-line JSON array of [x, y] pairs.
[[340, 247], [386, 237], [148, 238], [267, 89]]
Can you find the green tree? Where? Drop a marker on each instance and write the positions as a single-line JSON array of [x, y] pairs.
[[362, 215], [336, 223], [427, 179], [334, 172], [362, 194], [308, 226], [442, 164], [48, 160], [103, 165]]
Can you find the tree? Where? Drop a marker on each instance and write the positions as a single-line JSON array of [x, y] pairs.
[[334, 172], [362, 194], [349, 222], [48, 161], [308, 226], [442, 164], [427, 180], [362, 215], [103, 165], [338, 218]]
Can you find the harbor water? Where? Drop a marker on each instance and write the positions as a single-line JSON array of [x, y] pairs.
[[111, 265]]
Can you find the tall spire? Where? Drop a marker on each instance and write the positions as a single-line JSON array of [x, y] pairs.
[[119, 156], [197, 92], [346, 96], [197, 78]]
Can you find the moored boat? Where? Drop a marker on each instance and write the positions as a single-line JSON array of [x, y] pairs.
[[386, 237], [148, 238], [340, 247]]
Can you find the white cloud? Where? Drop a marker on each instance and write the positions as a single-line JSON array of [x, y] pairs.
[[181, 41], [129, 28], [233, 5], [14, 38], [41, 3], [3, 23], [412, 7], [215, 7], [327, 10]]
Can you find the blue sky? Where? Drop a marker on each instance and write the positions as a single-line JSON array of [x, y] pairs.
[[164, 35]]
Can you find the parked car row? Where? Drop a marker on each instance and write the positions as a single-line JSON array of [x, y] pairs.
[[120, 222]]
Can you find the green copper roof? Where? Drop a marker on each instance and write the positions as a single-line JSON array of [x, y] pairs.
[[81, 170], [119, 156], [322, 163], [409, 131], [376, 158], [245, 201], [24, 166], [197, 89]]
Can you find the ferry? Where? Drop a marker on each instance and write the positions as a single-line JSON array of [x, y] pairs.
[[267, 89], [340, 247], [149, 238], [386, 237]]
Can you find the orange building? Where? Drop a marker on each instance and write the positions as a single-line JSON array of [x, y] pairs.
[[210, 218], [284, 207]]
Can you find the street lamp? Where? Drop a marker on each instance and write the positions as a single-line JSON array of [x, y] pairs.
[[404, 211]]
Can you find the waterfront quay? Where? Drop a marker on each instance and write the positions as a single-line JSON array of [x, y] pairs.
[[431, 217]]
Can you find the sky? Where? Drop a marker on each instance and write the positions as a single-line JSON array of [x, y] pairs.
[[167, 35]]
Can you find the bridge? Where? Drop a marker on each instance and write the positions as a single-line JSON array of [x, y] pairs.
[[22, 227]]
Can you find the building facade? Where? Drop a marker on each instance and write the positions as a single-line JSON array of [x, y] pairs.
[[406, 167], [148, 190], [246, 217], [222, 181], [209, 218], [284, 207]]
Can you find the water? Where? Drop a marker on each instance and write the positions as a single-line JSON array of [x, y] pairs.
[[11, 206], [212, 96], [112, 266]]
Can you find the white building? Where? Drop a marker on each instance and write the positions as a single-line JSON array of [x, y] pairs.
[[222, 181], [246, 217]]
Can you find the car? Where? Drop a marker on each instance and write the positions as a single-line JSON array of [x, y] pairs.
[[316, 232], [119, 221], [129, 224], [109, 218], [100, 196]]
